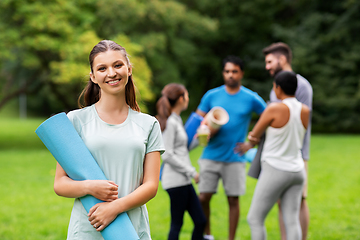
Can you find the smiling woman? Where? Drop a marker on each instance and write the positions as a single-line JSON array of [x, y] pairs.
[[125, 143], [111, 69]]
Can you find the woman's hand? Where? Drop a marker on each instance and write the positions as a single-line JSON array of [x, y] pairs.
[[103, 189], [101, 215], [196, 178]]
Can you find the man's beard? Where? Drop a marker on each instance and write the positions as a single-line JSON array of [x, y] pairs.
[[277, 69], [232, 83]]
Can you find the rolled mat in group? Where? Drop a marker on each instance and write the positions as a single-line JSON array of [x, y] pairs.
[[64, 143], [255, 168], [191, 126]]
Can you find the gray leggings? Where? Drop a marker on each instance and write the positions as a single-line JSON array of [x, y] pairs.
[[274, 184]]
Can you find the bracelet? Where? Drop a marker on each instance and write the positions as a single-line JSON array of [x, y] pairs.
[[254, 139]]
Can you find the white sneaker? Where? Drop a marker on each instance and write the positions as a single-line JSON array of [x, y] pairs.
[[209, 237]]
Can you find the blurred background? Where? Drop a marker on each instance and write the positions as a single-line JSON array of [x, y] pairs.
[[44, 47]]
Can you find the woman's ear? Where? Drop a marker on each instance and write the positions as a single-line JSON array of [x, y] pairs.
[[92, 77], [130, 70]]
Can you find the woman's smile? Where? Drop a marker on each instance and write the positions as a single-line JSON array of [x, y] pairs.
[[113, 82]]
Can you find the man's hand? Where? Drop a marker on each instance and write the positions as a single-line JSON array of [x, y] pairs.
[[242, 148]]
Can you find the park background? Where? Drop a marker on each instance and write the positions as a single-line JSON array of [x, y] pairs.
[[44, 47]]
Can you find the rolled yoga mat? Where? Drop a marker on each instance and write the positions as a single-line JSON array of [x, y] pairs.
[[191, 126], [255, 168], [65, 144]]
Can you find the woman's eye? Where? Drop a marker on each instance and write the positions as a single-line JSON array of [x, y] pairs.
[[101, 69], [118, 65]]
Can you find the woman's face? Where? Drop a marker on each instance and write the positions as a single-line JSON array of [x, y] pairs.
[[186, 100], [276, 90], [110, 72]]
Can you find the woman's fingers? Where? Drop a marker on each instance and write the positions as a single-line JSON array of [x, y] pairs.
[[101, 215], [104, 190]]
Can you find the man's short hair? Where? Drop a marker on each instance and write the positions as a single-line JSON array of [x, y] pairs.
[[287, 81], [279, 48], [235, 60]]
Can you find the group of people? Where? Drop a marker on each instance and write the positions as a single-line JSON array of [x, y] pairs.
[[127, 145], [284, 156]]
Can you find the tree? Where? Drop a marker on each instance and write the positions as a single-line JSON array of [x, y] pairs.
[[325, 42], [326, 46], [172, 36], [44, 49]]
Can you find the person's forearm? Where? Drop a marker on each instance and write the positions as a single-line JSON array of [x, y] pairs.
[[201, 113], [252, 139], [67, 187], [139, 197]]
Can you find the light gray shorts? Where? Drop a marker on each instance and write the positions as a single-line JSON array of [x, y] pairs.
[[233, 175]]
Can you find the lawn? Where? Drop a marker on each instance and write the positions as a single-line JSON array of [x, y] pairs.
[[31, 210]]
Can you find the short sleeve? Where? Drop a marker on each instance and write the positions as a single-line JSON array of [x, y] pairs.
[[205, 103], [155, 141], [304, 94], [72, 117], [259, 104]]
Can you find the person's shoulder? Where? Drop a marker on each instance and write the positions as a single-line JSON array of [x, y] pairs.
[[216, 90], [172, 119], [252, 95], [143, 120], [248, 91], [81, 117], [305, 108], [142, 116], [276, 107], [81, 114], [303, 81]]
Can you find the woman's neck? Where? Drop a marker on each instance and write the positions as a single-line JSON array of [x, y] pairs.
[[112, 109], [285, 97], [176, 111]]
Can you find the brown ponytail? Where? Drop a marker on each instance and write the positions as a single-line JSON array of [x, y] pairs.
[[91, 93], [170, 95], [130, 95]]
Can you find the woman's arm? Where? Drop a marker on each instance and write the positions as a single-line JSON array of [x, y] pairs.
[[66, 187], [169, 156], [102, 214], [265, 120], [305, 115]]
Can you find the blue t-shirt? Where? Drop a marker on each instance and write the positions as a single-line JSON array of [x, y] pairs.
[[239, 106]]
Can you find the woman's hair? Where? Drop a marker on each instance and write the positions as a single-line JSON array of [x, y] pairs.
[[287, 81], [91, 92], [170, 94]]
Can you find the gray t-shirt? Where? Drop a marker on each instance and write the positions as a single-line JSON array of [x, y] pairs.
[[304, 94], [119, 150]]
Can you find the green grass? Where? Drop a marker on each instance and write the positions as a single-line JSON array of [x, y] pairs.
[[31, 210]]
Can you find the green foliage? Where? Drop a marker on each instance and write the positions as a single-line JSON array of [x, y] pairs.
[[325, 42], [326, 49], [44, 47]]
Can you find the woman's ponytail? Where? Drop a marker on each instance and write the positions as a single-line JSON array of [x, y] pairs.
[[170, 95]]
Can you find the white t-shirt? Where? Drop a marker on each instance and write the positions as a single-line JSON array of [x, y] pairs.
[[119, 150]]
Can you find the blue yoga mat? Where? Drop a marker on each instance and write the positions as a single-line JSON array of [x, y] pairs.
[[192, 125], [65, 144]]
